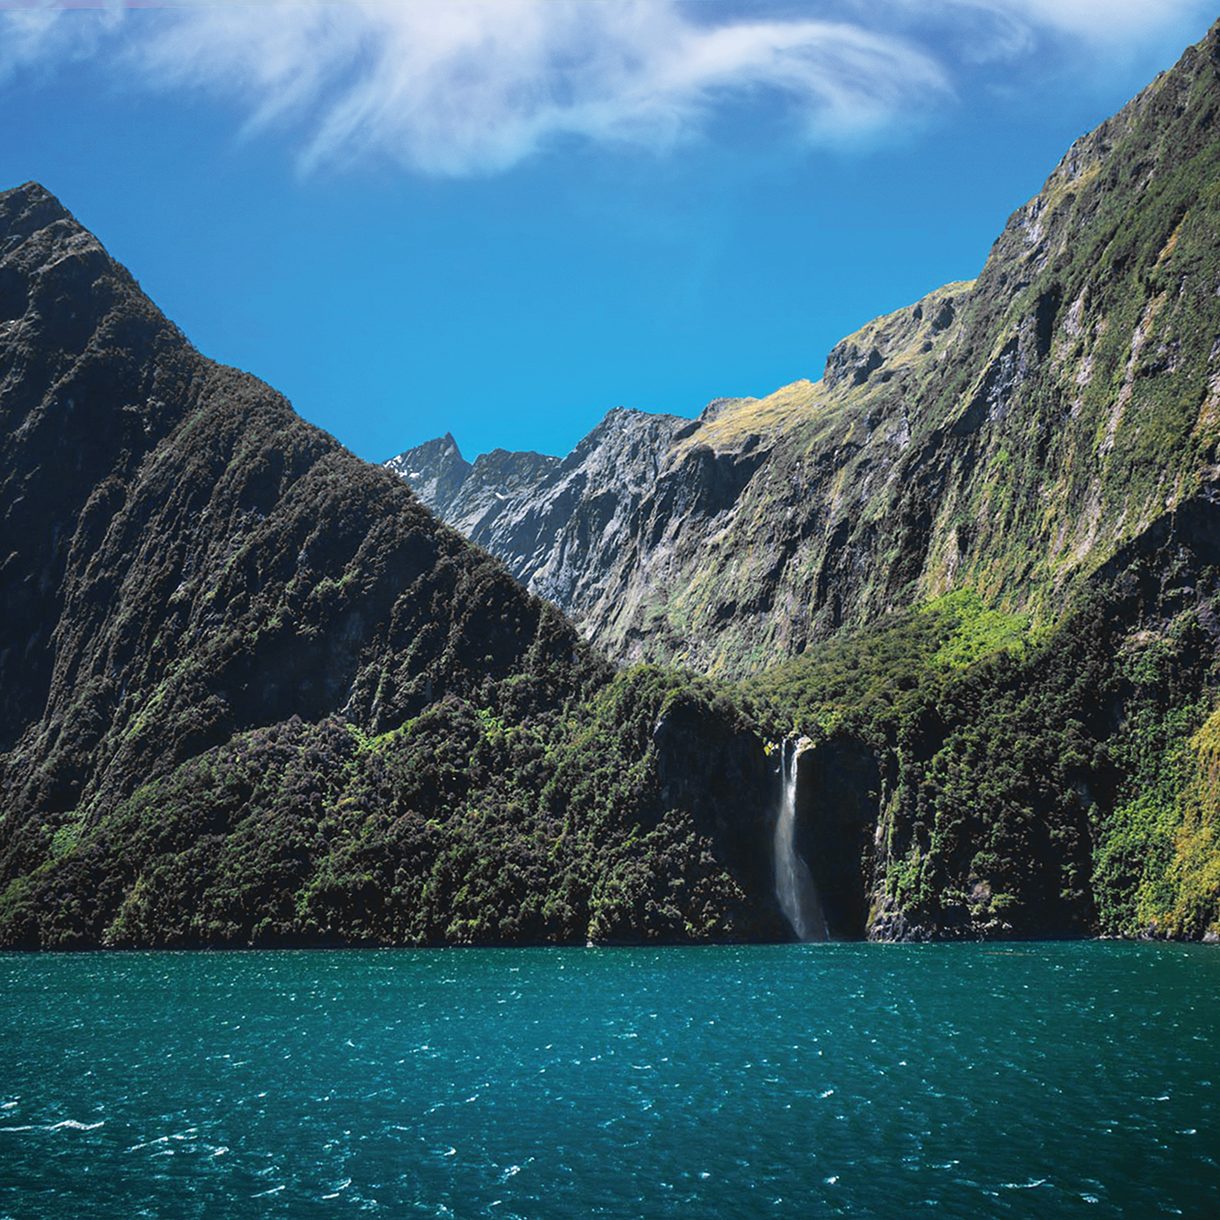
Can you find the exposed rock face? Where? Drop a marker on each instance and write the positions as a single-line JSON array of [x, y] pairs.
[[436, 470], [1007, 435], [839, 793], [558, 524]]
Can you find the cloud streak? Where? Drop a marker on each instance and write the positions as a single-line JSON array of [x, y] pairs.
[[994, 30], [1097, 21], [470, 86], [458, 87]]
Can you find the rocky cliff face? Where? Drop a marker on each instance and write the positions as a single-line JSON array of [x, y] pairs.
[[558, 524], [1007, 436]]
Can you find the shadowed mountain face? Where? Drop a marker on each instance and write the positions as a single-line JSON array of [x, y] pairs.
[[242, 673], [179, 544], [1007, 436]]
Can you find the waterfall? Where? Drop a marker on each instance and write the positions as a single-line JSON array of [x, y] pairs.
[[798, 896]]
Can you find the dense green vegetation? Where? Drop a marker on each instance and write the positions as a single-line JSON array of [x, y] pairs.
[[460, 827], [1053, 786], [1048, 785], [1194, 871]]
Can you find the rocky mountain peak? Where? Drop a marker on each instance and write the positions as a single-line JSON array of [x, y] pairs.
[[436, 471], [906, 333], [30, 207]]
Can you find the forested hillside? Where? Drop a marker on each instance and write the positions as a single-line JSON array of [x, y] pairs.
[[252, 691]]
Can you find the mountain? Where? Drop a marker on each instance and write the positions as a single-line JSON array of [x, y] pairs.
[[468, 493], [242, 672], [183, 548], [252, 692], [559, 525], [1008, 436]]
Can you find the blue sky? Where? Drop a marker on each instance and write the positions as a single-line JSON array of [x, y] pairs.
[[501, 218]]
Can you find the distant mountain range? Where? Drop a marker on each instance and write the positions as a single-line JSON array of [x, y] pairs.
[[252, 691], [1007, 436]]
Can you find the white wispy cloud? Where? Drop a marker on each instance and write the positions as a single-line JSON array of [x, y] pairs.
[[1080, 29], [473, 86], [1098, 21], [37, 36]]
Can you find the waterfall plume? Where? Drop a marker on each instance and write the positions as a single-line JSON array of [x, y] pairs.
[[794, 887]]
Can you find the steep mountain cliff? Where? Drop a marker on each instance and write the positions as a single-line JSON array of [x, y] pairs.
[[243, 672], [1007, 436], [182, 549], [559, 525]]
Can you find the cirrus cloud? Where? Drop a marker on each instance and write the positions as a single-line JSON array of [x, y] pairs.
[[472, 85], [456, 87]]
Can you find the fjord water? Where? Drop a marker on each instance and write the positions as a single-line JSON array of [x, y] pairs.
[[1031, 1080]]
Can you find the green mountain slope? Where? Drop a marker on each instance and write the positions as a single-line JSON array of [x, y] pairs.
[[251, 691]]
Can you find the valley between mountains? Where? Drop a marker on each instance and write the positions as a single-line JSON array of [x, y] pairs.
[[255, 691]]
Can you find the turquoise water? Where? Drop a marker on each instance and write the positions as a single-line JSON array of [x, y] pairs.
[[818, 1080]]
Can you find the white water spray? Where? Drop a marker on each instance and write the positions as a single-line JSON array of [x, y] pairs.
[[798, 896]]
